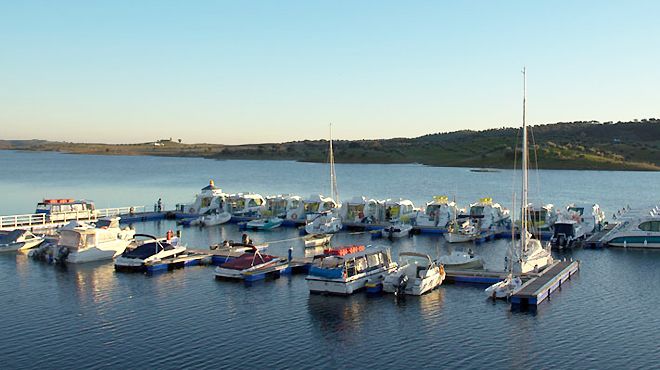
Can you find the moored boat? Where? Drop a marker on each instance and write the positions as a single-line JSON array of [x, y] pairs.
[[148, 253], [250, 262], [268, 223], [461, 260], [19, 240], [316, 240], [344, 271], [398, 230], [416, 274]]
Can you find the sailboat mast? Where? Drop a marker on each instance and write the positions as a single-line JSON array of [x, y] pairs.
[[333, 176], [523, 223]]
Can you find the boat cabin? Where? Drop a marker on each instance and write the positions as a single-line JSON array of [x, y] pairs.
[[66, 209], [210, 198], [245, 204]]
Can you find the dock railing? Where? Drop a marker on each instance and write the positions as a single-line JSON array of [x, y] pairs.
[[42, 219]]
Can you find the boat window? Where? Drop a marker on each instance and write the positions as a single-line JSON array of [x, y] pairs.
[[89, 240], [360, 264], [350, 268], [294, 203], [374, 260], [476, 211], [650, 226], [206, 202], [311, 207]]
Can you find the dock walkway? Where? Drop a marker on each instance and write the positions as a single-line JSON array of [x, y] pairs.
[[535, 291]]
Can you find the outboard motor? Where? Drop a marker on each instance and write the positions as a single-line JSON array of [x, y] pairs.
[[61, 254], [401, 285]]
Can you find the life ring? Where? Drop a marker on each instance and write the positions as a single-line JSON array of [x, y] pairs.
[[191, 210], [294, 216]]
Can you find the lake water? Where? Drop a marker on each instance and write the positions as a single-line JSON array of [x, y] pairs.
[[88, 316]]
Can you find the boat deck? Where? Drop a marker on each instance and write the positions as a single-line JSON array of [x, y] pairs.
[[536, 290], [596, 239]]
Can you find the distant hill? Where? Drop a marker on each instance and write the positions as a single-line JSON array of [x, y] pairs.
[[571, 145]]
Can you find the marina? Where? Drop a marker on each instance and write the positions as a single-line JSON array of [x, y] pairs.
[[460, 294]]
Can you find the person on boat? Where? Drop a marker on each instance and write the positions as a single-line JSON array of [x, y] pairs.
[[470, 253], [246, 239], [388, 214]]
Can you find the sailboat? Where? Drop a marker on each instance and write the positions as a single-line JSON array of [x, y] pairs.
[[326, 222], [528, 255]]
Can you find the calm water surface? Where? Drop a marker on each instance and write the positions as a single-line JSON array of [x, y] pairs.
[[89, 316]]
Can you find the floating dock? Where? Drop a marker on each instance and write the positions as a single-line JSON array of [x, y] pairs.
[[191, 259], [473, 276], [536, 290]]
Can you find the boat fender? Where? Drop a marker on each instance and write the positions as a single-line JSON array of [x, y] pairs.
[[213, 247]]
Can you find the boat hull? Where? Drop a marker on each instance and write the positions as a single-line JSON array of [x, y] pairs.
[[106, 252], [20, 246], [319, 285]]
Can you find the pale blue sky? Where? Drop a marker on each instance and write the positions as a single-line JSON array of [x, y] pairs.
[[263, 71]]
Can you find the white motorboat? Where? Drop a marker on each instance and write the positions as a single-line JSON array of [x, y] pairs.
[[316, 204], [488, 216], [19, 240], [245, 204], [567, 232], [323, 223], [209, 200], [61, 210], [276, 206], [437, 213], [86, 242], [362, 210], [148, 253], [416, 274], [295, 208], [267, 223], [401, 210], [462, 232], [317, 240], [240, 247], [637, 231], [246, 263], [398, 230], [541, 220], [505, 288], [337, 272], [461, 260], [216, 217]]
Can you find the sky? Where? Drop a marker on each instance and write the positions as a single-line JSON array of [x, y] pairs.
[[233, 72]]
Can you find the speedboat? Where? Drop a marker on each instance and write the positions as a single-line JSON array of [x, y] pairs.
[[567, 233], [465, 232], [268, 223], [505, 288], [461, 260], [323, 223], [19, 240], [148, 253], [87, 242], [348, 269], [247, 263], [436, 213], [398, 230], [416, 274], [231, 246], [317, 240], [215, 218]]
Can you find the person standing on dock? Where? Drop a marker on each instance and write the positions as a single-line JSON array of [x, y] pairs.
[[160, 205]]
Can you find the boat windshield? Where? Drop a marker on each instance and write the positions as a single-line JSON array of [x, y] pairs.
[[578, 210], [414, 260], [147, 250], [69, 238]]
